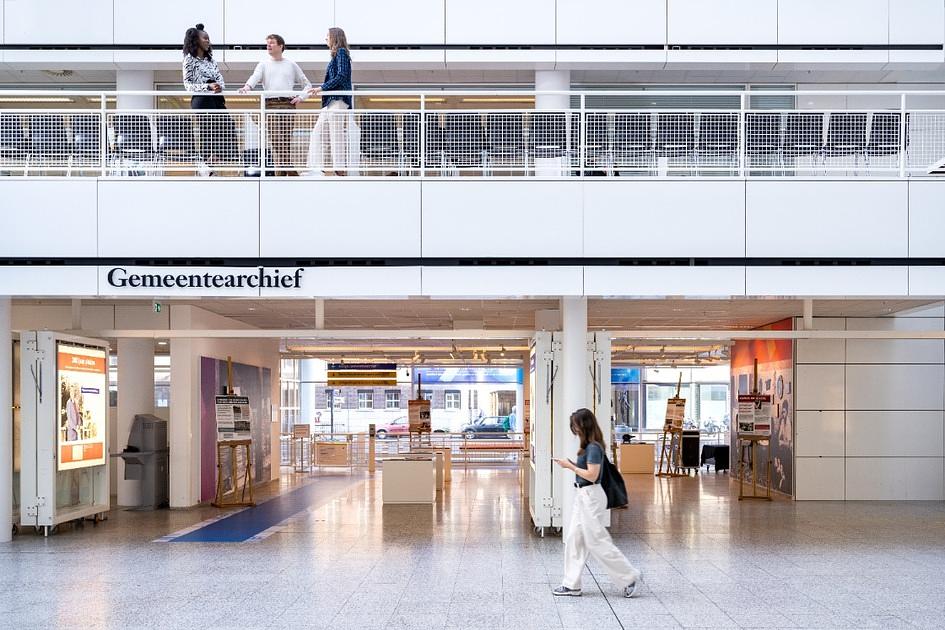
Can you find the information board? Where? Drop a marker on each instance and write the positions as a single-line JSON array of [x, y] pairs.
[[754, 414], [82, 376], [675, 413], [418, 411], [233, 418]]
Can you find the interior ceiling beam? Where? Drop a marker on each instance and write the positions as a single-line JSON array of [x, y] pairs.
[[736, 335], [294, 334], [688, 335]]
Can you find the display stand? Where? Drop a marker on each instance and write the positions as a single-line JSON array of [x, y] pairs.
[[754, 427], [301, 446], [671, 440], [748, 444], [63, 429], [336, 454], [237, 496]]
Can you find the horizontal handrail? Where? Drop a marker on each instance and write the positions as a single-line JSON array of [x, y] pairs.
[[424, 136]]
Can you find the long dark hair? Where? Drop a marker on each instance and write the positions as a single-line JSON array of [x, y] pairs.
[[191, 42], [584, 425]]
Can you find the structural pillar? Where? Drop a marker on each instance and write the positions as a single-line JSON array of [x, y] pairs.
[[135, 81], [574, 374], [6, 423], [552, 81], [135, 395]]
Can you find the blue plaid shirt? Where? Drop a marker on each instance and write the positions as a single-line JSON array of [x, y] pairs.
[[338, 77]]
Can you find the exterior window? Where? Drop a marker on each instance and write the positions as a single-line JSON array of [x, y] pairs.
[[453, 399], [365, 399], [427, 394], [392, 399]]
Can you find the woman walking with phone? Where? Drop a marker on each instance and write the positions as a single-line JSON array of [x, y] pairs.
[[587, 535]]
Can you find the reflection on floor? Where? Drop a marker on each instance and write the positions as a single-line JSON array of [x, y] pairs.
[[471, 561]]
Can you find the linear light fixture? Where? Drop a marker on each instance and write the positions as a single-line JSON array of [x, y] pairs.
[[36, 99], [499, 99], [404, 99]]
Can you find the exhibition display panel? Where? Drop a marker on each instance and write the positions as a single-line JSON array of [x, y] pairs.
[[64, 429]]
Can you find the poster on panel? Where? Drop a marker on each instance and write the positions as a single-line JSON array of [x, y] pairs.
[[418, 412], [675, 413], [82, 378], [233, 418]]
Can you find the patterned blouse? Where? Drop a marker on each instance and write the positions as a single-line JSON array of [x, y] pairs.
[[199, 72]]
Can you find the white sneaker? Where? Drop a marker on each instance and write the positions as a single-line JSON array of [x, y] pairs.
[[632, 589], [564, 591]]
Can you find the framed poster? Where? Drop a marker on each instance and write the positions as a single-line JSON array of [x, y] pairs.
[[82, 405], [233, 418]]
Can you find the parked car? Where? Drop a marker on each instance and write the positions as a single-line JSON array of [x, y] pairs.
[[487, 427], [397, 426]]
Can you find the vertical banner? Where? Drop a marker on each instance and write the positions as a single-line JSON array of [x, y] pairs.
[[82, 378]]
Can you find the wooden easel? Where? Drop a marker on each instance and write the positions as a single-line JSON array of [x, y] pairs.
[[415, 437], [228, 499], [238, 494], [671, 446], [748, 443]]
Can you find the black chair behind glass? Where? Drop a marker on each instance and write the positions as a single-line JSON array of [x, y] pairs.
[[379, 142], [718, 139], [762, 139], [633, 140], [803, 136]]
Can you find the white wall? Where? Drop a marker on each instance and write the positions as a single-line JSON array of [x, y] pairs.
[[487, 22], [615, 218], [184, 426], [871, 413]]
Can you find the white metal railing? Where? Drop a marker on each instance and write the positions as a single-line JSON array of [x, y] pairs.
[[436, 134]]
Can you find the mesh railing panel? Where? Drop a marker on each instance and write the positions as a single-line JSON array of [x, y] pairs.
[[464, 142]]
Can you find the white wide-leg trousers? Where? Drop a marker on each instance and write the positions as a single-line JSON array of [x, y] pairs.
[[587, 536]]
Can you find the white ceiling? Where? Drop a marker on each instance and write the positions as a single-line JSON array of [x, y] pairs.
[[525, 77]]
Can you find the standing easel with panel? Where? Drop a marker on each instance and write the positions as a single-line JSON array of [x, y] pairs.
[[748, 445], [671, 440]]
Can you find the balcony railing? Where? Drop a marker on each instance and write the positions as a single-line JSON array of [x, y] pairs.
[[472, 134]]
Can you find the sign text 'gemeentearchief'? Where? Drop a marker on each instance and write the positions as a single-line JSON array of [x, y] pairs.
[[255, 279]]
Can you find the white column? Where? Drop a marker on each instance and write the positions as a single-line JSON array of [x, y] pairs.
[[135, 80], [6, 423], [552, 80], [135, 395], [574, 374]]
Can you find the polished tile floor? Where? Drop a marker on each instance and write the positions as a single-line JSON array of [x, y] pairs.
[[472, 561]]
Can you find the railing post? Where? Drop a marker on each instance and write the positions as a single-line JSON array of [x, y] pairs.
[[902, 135], [262, 135], [583, 137], [103, 134], [742, 132], [422, 131]]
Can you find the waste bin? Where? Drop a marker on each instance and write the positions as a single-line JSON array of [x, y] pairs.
[[147, 459]]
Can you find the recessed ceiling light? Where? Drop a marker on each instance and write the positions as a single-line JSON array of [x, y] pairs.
[[162, 343]]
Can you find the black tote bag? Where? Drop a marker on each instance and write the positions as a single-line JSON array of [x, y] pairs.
[[614, 487]]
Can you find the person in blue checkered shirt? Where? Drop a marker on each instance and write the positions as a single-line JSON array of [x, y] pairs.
[[331, 122]]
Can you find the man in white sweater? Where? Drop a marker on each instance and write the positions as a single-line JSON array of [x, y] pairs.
[[279, 74]]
